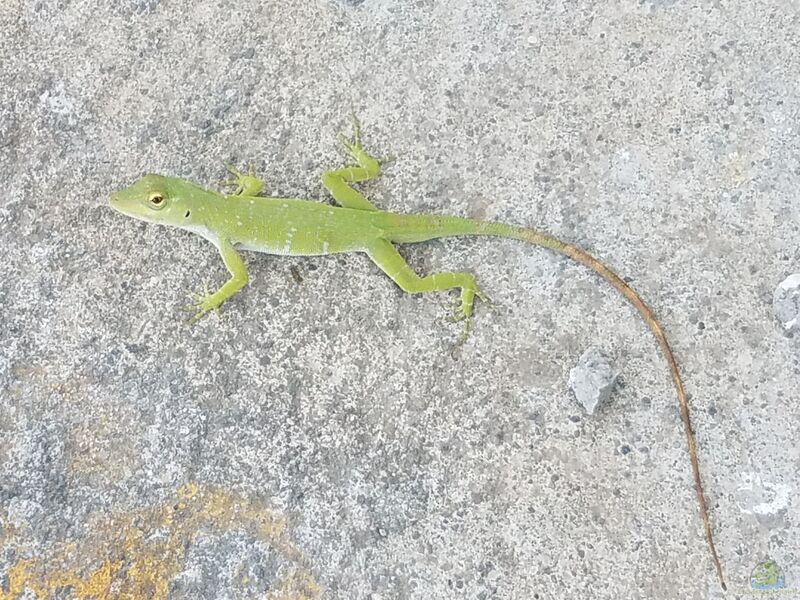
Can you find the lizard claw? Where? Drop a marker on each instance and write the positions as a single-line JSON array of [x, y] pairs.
[[352, 145], [385, 160], [484, 298], [463, 310], [461, 316]]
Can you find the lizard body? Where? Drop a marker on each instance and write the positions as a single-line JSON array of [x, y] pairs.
[[297, 227]]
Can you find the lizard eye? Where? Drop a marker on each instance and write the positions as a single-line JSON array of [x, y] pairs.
[[156, 200]]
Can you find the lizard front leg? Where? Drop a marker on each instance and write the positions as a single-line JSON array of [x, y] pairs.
[[245, 184], [238, 280], [367, 167]]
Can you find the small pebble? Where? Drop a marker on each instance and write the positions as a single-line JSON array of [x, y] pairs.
[[592, 379]]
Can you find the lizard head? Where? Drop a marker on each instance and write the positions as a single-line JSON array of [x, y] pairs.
[[158, 199]]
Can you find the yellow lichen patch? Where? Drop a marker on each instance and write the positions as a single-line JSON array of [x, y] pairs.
[[297, 585], [137, 554], [96, 585], [17, 577]]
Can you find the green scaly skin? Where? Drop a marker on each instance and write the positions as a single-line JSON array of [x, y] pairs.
[[296, 227]]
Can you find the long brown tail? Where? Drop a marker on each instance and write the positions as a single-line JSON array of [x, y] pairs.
[[587, 259], [447, 226]]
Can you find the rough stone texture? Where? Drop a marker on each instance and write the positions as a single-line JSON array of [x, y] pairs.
[[322, 438], [592, 378]]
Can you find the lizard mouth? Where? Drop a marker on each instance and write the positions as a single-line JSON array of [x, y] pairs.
[[115, 201]]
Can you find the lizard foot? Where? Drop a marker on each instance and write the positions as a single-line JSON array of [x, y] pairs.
[[463, 311], [202, 305], [353, 144], [244, 184], [356, 150]]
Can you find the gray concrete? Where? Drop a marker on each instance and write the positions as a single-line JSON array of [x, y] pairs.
[[321, 439]]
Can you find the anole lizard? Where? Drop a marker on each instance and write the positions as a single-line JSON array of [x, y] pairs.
[[294, 227]]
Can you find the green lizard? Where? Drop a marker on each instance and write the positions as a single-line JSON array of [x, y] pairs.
[[295, 227]]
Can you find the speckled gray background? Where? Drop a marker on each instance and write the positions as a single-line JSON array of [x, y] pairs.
[[320, 439]]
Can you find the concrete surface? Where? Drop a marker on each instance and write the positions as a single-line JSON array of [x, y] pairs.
[[321, 439]]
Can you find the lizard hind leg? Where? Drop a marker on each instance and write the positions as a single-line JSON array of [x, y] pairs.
[[388, 259]]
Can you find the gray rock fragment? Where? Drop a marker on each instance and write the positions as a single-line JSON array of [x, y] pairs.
[[592, 379], [786, 303]]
